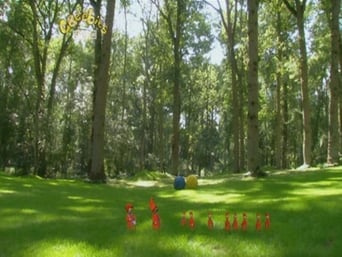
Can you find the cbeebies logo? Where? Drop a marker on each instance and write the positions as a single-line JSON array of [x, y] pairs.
[[80, 14]]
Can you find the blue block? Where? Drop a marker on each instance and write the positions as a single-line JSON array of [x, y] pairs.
[[179, 183]]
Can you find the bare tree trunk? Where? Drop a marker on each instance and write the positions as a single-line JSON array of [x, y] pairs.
[[229, 24], [253, 152], [298, 12], [285, 110], [307, 140], [279, 120], [161, 147], [175, 23], [96, 171], [176, 111], [333, 133], [340, 91], [242, 132], [230, 30]]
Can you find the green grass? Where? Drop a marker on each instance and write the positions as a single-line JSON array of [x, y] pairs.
[[45, 218]]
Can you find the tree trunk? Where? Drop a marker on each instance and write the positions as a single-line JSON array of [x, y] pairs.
[[39, 65], [285, 110], [176, 88], [340, 91], [298, 12], [176, 112], [279, 120], [307, 140], [333, 133], [40, 50], [229, 25], [96, 171], [253, 152], [242, 132]]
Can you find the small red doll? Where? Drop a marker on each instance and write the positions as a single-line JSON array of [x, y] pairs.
[[153, 205], [235, 223], [227, 223], [155, 221], [244, 222], [258, 222], [130, 217], [183, 220], [210, 221], [192, 221], [267, 221], [155, 215]]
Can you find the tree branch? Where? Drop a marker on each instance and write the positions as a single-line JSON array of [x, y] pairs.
[[290, 7]]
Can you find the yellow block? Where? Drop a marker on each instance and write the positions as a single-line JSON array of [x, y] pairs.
[[191, 182]]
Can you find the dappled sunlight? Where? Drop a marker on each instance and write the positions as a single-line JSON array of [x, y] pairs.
[[51, 183], [6, 191], [28, 211], [81, 219], [191, 243], [79, 209], [205, 182], [313, 192], [72, 197], [168, 181], [141, 183], [85, 200], [198, 196], [66, 248]]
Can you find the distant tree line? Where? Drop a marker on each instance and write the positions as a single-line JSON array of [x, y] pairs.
[[99, 103]]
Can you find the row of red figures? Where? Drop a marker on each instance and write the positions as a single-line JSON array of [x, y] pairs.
[[228, 226]]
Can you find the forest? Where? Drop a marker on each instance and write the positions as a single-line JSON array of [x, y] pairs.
[[81, 97]]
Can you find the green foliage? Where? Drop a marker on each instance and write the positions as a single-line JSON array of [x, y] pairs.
[[68, 218], [140, 99]]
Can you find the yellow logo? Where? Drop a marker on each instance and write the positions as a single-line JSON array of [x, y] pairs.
[[86, 15]]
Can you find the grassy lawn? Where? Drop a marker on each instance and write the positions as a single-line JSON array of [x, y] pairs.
[[45, 218]]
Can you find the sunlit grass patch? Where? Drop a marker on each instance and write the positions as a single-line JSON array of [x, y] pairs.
[[68, 248]]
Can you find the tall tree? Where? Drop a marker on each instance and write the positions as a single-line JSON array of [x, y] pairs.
[[279, 121], [253, 151], [229, 21], [273, 44], [334, 85], [298, 10], [44, 17], [101, 80], [174, 15]]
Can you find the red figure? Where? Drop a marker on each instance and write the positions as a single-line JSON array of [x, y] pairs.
[[235, 223], [244, 222], [227, 223], [267, 221], [155, 221], [210, 221], [183, 220], [258, 223], [155, 215], [130, 217], [153, 206], [191, 221]]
